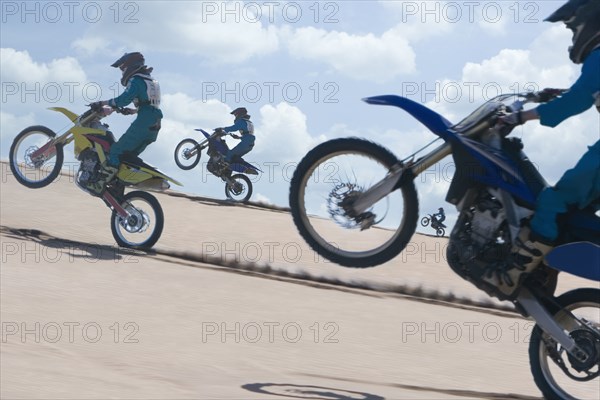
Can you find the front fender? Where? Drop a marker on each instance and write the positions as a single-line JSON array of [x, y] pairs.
[[69, 114], [432, 120]]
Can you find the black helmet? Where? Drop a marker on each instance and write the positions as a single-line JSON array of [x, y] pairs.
[[240, 112], [130, 63], [440, 209], [583, 18]]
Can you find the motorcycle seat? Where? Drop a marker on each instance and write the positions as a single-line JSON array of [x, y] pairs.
[[135, 161]]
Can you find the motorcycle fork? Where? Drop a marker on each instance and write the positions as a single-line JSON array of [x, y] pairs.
[[49, 149], [548, 324], [398, 174], [114, 204]]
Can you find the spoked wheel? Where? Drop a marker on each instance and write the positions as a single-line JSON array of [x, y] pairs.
[[557, 374], [30, 166], [327, 179], [424, 221], [144, 225], [240, 189], [187, 154], [440, 232]]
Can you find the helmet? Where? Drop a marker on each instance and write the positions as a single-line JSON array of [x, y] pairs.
[[239, 112], [440, 209], [583, 18], [129, 63]]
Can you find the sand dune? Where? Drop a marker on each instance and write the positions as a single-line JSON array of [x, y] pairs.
[[232, 304]]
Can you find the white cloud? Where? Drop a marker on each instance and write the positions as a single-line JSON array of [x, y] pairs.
[[91, 45], [18, 66], [364, 57], [207, 114], [517, 66], [282, 135], [188, 28], [11, 125]]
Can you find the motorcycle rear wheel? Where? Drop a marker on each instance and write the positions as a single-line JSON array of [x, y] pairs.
[[241, 194], [372, 245], [549, 377], [145, 224]]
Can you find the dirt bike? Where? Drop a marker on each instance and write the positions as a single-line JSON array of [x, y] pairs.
[[37, 155], [238, 187], [341, 199], [438, 227]]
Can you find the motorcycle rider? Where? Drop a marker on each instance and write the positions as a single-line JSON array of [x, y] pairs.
[[439, 217], [242, 124], [580, 185], [144, 91]]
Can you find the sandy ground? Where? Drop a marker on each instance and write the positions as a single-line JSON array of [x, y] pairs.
[[84, 319]]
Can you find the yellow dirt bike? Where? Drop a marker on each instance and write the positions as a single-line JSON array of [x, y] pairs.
[[36, 159]]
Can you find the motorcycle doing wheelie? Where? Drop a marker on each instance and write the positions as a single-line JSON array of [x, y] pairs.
[[437, 226], [356, 204], [238, 187], [37, 155]]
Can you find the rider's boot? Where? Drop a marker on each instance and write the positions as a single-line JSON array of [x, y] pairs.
[[107, 174], [526, 255]]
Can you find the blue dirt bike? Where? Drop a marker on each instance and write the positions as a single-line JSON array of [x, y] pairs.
[[238, 187], [356, 204]]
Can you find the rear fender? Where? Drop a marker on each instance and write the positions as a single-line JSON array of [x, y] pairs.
[[134, 175], [581, 259]]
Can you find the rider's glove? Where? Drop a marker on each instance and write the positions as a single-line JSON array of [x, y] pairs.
[[128, 111], [233, 135], [513, 119], [548, 94]]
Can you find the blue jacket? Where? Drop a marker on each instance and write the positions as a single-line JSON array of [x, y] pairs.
[[581, 96], [241, 124], [142, 90]]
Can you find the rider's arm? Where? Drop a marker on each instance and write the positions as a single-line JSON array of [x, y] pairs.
[[578, 99], [134, 87], [237, 126]]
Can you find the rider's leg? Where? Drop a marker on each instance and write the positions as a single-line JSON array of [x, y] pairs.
[[579, 186], [246, 144], [137, 137]]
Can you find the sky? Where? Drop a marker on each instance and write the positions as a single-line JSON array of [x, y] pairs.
[[300, 68]]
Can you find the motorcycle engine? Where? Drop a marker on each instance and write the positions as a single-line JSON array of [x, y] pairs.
[[216, 166], [88, 169], [480, 241]]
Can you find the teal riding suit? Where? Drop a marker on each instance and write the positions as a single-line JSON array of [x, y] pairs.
[[144, 92], [580, 185], [246, 129]]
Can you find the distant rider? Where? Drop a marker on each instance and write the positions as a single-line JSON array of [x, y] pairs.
[[144, 91], [580, 185], [245, 127], [440, 216]]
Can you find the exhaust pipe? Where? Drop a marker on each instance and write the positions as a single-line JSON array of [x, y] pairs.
[[154, 184]]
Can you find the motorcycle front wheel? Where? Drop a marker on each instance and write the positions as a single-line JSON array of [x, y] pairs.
[[240, 188], [330, 176], [556, 373], [144, 225], [30, 171], [187, 154]]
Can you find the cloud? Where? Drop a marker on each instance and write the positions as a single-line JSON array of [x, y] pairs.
[[364, 57], [18, 66], [190, 28], [282, 134]]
